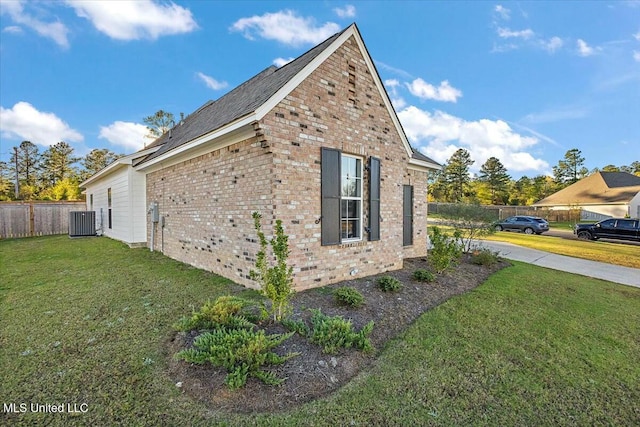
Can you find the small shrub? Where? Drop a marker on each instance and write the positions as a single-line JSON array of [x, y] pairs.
[[389, 284], [332, 333], [226, 311], [349, 296], [276, 282], [241, 352], [484, 257], [423, 275], [446, 251]]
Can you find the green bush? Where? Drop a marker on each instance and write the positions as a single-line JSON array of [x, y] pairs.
[[349, 296], [484, 257], [389, 284], [445, 251], [332, 333], [241, 352], [423, 275], [226, 311]]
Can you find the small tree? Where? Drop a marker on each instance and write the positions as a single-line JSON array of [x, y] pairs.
[[275, 281], [469, 221]]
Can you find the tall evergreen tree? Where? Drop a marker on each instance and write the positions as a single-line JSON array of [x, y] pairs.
[[456, 174], [494, 175], [159, 123], [570, 169], [58, 161], [96, 160]]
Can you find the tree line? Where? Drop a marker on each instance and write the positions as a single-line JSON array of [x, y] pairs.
[[494, 186], [56, 173]]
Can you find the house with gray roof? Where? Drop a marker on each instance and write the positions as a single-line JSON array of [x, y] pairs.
[[315, 143], [599, 196]]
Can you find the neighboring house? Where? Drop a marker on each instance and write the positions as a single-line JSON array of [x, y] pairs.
[[601, 195], [315, 143], [117, 195]]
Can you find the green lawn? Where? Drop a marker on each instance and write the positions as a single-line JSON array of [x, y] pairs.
[[612, 253], [84, 321]]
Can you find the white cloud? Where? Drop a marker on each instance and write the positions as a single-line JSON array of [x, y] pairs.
[[393, 70], [506, 33], [55, 31], [211, 82], [637, 36], [444, 92], [440, 134], [24, 122], [636, 55], [392, 86], [584, 49], [12, 29], [134, 20], [553, 44], [128, 135], [349, 11], [503, 12], [285, 27], [279, 62]]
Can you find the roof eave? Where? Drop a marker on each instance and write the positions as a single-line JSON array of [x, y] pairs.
[[118, 164]]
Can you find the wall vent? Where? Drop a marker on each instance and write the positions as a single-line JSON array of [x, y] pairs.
[[82, 223]]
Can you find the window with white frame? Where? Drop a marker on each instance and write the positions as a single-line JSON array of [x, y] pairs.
[[351, 198]]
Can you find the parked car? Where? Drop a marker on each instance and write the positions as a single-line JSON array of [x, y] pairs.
[[613, 228], [524, 224]]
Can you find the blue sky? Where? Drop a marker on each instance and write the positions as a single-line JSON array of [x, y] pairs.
[[521, 81]]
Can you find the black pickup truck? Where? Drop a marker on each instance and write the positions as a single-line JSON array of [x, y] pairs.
[[614, 228]]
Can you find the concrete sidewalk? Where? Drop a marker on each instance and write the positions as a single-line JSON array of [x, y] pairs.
[[599, 270]]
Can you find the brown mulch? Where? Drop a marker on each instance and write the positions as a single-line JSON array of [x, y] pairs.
[[314, 374]]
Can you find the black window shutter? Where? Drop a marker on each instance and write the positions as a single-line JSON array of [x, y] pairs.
[[407, 215], [330, 188], [374, 198]]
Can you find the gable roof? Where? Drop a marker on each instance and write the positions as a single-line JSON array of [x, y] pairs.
[[598, 189], [251, 100]]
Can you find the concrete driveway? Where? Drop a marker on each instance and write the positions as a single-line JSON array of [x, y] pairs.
[[599, 270]]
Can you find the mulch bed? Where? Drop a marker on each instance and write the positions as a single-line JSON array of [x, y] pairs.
[[314, 374]]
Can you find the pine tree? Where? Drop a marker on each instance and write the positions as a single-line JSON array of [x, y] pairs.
[[456, 174], [58, 163], [571, 169], [494, 175], [159, 123], [96, 160]]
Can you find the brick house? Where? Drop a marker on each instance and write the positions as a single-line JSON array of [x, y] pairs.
[[315, 143]]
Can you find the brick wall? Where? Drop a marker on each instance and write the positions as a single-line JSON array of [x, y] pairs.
[[208, 201]]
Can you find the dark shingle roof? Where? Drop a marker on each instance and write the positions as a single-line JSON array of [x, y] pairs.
[[240, 102], [236, 104]]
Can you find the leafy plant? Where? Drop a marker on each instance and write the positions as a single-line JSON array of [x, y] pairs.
[[243, 353], [349, 296], [226, 311], [389, 284], [468, 221], [332, 333], [446, 251], [484, 257], [423, 275], [276, 282]]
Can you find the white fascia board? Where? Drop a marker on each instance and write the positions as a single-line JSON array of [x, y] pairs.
[[233, 133], [423, 166], [119, 163]]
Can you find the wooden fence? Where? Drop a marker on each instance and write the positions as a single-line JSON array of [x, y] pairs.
[[502, 212], [36, 218]]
